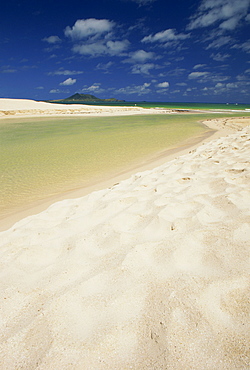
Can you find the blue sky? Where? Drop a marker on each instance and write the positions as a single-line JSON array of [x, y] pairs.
[[153, 50]]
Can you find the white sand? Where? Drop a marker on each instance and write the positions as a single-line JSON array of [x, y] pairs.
[[152, 273], [10, 108]]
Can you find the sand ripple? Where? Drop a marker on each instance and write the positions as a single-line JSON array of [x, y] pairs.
[[152, 273]]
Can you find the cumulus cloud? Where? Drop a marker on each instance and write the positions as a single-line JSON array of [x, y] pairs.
[[163, 84], [95, 37], [139, 56], [84, 28], [70, 81], [202, 77], [94, 88], [117, 47], [143, 68], [52, 39], [101, 47], [223, 88], [226, 14], [135, 89], [169, 35]]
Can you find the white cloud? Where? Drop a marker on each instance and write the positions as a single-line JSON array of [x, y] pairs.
[[143, 68], [70, 81], [198, 66], [232, 85], [245, 46], [8, 70], [163, 84], [84, 28], [93, 49], [221, 88], [176, 72], [139, 89], [197, 75], [202, 77], [104, 66], [139, 56], [143, 2], [101, 48], [166, 36], [52, 39], [40, 88], [220, 57], [95, 88], [94, 37], [244, 76], [181, 84], [226, 14], [218, 43], [175, 92], [65, 72], [117, 47], [57, 91]]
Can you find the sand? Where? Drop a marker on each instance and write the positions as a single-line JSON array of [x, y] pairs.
[[151, 273], [10, 108]]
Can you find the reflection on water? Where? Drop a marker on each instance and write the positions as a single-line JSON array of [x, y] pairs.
[[46, 156]]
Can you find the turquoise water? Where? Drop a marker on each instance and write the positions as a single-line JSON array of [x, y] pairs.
[[176, 105]]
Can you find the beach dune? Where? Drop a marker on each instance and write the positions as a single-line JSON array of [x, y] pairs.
[[151, 273]]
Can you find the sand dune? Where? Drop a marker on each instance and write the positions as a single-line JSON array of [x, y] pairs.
[[152, 273]]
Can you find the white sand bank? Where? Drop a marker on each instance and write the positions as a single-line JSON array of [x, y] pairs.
[[150, 274], [30, 108]]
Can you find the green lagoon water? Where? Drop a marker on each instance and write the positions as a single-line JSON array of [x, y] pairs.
[[43, 157]]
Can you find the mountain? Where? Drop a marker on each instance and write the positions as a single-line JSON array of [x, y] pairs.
[[85, 98]]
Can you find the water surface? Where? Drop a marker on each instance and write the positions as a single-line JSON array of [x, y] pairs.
[[42, 157]]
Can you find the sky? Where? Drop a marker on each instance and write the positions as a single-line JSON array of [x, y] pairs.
[[134, 50]]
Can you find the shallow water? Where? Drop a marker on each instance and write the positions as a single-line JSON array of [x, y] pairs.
[[43, 157]]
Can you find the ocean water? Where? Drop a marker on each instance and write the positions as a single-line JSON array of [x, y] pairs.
[[144, 104], [43, 157]]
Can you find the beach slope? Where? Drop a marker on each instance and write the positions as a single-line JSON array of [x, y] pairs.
[[152, 273]]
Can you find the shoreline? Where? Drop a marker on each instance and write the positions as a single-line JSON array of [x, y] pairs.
[[107, 181], [151, 273], [217, 130]]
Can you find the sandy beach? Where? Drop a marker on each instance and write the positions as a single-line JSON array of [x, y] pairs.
[[150, 273], [30, 108]]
